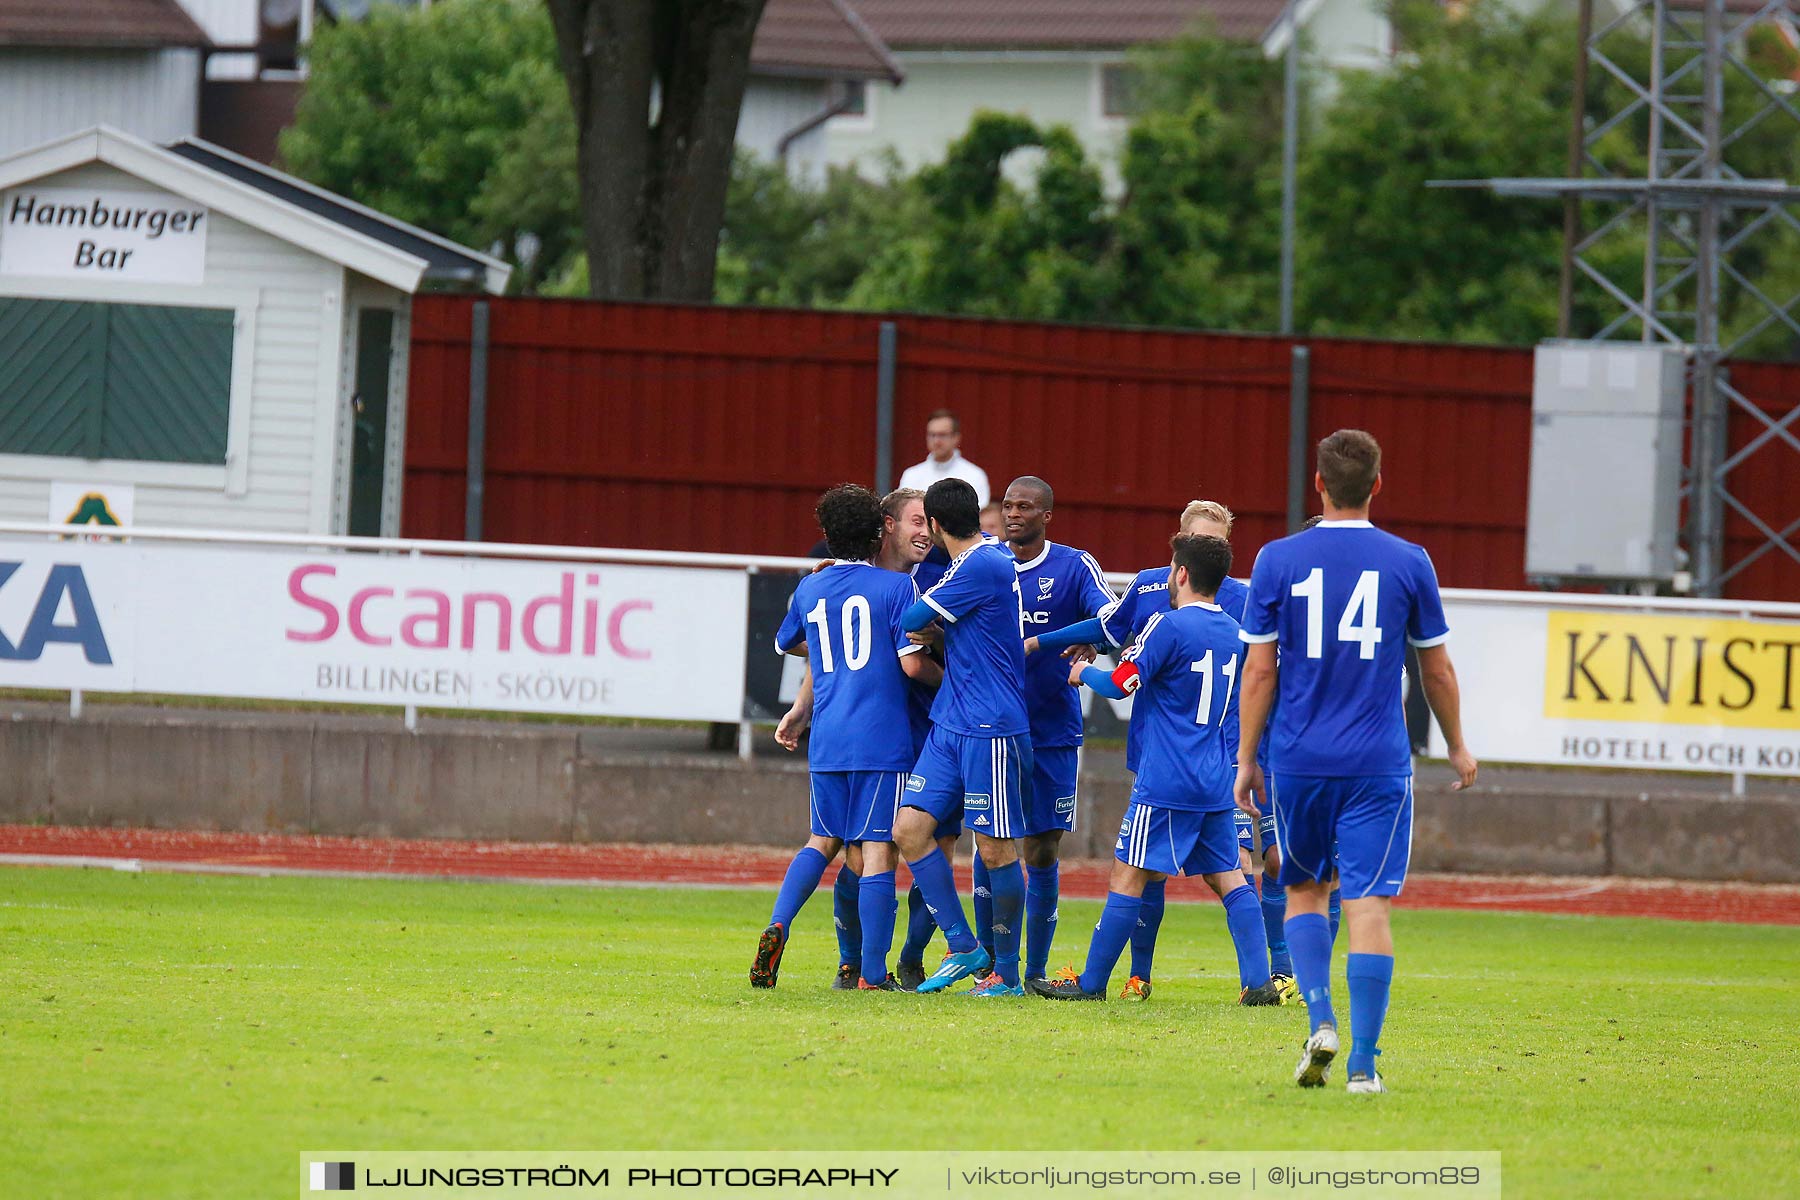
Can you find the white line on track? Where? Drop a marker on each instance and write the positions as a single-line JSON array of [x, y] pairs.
[[134, 865]]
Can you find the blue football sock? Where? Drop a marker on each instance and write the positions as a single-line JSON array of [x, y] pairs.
[[938, 885], [1370, 976], [1243, 916], [984, 906], [877, 904], [919, 927], [1336, 910], [1274, 915], [1008, 884], [1042, 885], [801, 881], [1149, 920], [1309, 942], [844, 906], [1117, 920]]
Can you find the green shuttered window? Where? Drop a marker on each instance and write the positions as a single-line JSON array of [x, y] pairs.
[[142, 382]]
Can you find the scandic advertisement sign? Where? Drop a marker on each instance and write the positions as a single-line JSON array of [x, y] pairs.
[[1618, 688], [464, 633]]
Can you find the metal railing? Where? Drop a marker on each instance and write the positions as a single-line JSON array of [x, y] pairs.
[[756, 564]]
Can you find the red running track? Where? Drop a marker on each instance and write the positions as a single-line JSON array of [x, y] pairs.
[[745, 867]]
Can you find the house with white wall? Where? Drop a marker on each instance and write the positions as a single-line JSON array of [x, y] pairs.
[[133, 65], [812, 61], [1059, 62], [808, 58]]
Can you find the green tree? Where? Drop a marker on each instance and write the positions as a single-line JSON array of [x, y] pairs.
[[1202, 167], [453, 117], [788, 244], [1479, 95]]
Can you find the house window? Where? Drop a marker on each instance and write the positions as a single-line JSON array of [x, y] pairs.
[[137, 382], [1119, 86], [856, 99]]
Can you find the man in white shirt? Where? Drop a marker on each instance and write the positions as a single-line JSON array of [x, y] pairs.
[[943, 434]]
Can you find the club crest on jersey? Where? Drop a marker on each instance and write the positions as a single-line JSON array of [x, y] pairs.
[[1045, 583]]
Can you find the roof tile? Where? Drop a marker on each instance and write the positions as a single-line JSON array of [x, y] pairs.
[[97, 23], [818, 37]]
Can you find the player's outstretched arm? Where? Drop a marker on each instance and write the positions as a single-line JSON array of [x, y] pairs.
[[1083, 633], [1445, 699], [1114, 685]]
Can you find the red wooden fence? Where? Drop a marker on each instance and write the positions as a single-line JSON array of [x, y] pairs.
[[715, 429]]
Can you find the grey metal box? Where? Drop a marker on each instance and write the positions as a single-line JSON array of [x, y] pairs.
[[1605, 461]]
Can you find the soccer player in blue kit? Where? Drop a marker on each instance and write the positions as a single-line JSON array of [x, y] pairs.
[[1341, 601], [905, 542], [1183, 670], [910, 966], [1059, 585], [1119, 625], [978, 754], [847, 619]]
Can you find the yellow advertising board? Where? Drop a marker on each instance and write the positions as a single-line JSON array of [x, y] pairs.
[[1672, 670]]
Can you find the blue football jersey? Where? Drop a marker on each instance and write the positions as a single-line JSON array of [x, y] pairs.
[[849, 617], [1148, 595], [926, 573], [1187, 661], [1059, 587], [1341, 601], [1234, 598], [1125, 619], [983, 694]]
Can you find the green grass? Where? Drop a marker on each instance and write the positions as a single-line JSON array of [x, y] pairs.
[[170, 1034]]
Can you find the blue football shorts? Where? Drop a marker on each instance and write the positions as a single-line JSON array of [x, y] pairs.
[[1050, 800], [983, 777], [856, 806], [1367, 818], [1246, 829], [1177, 841]]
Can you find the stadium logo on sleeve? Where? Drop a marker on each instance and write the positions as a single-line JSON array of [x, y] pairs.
[[333, 1177]]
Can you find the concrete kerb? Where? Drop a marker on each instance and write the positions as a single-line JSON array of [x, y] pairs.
[[335, 774]]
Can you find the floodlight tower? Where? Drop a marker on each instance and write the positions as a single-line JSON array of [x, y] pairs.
[[1695, 215]]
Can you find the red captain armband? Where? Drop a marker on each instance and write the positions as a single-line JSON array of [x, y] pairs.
[[1126, 677]]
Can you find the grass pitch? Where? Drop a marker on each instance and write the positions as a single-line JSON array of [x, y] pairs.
[[188, 1035]]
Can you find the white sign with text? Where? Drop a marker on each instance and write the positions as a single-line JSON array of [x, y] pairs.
[[576, 638], [102, 235]]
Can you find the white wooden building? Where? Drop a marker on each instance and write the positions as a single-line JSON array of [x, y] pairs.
[[221, 345]]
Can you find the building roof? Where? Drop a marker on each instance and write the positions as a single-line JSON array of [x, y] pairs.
[[114, 23], [819, 39], [1058, 24], [335, 229], [447, 265]]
